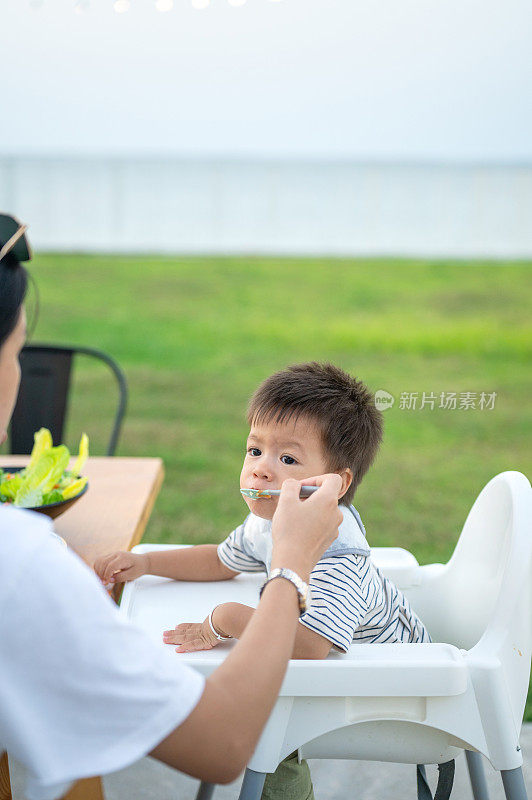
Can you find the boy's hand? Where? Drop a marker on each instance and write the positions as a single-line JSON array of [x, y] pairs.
[[121, 567], [192, 636]]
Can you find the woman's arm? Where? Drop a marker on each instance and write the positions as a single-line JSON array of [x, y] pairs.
[[217, 739]]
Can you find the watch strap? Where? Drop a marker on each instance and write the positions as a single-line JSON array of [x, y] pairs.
[[299, 583]]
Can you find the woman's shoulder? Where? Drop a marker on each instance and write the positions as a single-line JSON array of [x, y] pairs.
[[23, 518], [20, 532]]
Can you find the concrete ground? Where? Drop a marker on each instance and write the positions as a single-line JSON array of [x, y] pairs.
[[333, 780]]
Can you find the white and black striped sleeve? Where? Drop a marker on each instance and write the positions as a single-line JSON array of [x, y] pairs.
[[338, 598], [233, 553]]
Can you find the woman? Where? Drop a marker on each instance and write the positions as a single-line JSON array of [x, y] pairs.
[[83, 692]]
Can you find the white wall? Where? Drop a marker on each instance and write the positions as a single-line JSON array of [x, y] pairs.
[[270, 206]]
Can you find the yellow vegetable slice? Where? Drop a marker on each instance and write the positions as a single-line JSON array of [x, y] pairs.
[[83, 454], [74, 488]]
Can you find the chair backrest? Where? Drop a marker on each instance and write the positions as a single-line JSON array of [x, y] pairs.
[[44, 391], [481, 600], [485, 586]]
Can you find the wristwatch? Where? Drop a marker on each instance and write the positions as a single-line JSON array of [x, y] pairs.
[[301, 587]]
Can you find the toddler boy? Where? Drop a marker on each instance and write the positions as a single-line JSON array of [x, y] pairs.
[[304, 421]]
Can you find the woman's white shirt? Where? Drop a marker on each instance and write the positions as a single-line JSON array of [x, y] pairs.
[[82, 691]]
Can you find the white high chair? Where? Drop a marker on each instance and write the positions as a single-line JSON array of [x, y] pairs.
[[404, 703]]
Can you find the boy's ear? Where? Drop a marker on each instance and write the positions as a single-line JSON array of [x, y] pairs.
[[347, 479]]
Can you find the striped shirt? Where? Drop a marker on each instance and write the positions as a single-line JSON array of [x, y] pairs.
[[351, 600]]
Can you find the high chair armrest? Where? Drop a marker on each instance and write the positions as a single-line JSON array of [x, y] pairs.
[[374, 670]]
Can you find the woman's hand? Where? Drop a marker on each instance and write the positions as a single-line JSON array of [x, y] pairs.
[[191, 636], [121, 567], [302, 529]]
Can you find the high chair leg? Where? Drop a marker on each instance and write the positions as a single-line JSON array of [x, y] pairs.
[[475, 768], [205, 791], [252, 785], [514, 784]]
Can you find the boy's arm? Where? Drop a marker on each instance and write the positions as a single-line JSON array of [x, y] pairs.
[[198, 563], [205, 562], [231, 619]]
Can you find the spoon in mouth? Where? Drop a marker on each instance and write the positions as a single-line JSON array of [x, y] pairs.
[[266, 494]]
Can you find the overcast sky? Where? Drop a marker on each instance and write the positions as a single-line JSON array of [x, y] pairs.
[[377, 79]]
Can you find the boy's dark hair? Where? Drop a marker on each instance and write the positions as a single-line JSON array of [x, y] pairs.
[[342, 406]]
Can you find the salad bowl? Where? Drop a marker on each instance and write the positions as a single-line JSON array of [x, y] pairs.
[[51, 510], [46, 484]]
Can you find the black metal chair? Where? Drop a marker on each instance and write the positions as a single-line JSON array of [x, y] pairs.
[[44, 392]]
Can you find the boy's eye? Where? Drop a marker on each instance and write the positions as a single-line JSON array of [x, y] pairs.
[[289, 460], [254, 451]]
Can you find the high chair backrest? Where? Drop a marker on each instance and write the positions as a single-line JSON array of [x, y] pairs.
[[485, 588]]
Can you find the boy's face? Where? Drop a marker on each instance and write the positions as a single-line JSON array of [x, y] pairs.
[[276, 451]]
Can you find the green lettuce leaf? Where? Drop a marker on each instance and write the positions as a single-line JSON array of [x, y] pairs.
[[43, 474], [30, 498], [55, 496], [9, 488]]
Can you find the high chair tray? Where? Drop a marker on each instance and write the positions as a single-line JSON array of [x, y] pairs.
[[395, 670]]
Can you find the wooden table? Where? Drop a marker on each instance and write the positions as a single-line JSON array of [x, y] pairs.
[[112, 515]]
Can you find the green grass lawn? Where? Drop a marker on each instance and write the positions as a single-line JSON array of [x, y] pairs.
[[196, 335]]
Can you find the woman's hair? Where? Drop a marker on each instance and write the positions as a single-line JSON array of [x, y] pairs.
[[13, 285], [342, 407]]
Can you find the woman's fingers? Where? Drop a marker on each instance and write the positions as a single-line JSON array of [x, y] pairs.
[[329, 490], [330, 479], [316, 480], [290, 487], [303, 529]]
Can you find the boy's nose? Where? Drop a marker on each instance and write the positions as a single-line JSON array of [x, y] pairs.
[[262, 471]]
